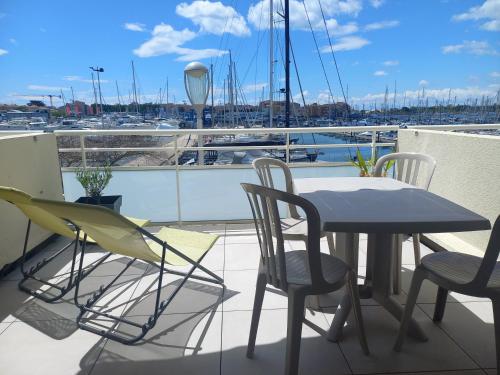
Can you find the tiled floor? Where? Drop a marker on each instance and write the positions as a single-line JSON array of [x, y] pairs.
[[205, 330]]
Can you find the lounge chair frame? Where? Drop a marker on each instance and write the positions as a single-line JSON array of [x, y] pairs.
[[159, 307], [31, 273]]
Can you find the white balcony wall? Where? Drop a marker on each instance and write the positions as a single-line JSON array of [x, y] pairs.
[[467, 173], [205, 194], [29, 163]]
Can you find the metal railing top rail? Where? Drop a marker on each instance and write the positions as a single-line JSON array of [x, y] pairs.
[[236, 131], [371, 141]]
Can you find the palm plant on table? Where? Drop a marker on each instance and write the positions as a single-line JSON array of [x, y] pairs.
[[367, 167]]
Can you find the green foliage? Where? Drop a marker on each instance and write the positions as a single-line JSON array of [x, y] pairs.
[[94, 180], [367, 167]]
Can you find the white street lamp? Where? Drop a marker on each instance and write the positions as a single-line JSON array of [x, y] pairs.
[[197, 84]]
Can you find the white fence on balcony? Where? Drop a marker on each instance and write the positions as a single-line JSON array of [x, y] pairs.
[[211, 192]]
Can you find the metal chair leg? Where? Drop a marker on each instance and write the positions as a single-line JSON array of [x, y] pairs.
[[416, 247], [416, 283], [356, 308], [296, 301], [442, 294], [257, 308]]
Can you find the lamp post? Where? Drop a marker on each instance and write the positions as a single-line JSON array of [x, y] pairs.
[[98, 70], [197, 84]]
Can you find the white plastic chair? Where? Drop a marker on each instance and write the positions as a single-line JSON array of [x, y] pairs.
[[298, 273], [294, 227], [462, 273], [414, 169]]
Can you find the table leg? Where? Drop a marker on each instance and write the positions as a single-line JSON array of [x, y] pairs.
[[346, 248], [381, 287]]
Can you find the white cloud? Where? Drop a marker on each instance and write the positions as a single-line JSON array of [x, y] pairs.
[[495, 74], [297, 98], [346, 43], [336, 29], [472, 47], [491, 25], [166, 40], [81, 79], [381, 25], [377, 3], [188, 54], [432, 94], [46, 88], [3, 52], [489, 10], [258, 15], [135, 26], [254, 87], [423, 82], [380, 73], [324, 97], [391, 63], [214, 17], [12, 41]]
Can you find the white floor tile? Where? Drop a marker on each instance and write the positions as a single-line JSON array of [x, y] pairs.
[[29, 350], [471, 325], [438, 354], [242, 283], [317, 355], [242, 256], [178, 344]]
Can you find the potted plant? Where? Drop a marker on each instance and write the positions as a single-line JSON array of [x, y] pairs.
[[94, 181], [367, 167]]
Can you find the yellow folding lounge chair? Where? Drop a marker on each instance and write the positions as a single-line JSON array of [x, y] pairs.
[[52, 223], [119, 235]]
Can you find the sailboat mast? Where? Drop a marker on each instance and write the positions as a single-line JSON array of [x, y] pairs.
[[230, 89], [212, 93], [95, 93], [134, 88], [395, 93], [287, 63], [224, 102], [118, 94], [271, 62], [235, 82]]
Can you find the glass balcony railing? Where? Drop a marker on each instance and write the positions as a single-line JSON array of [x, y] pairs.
[[160, 176]]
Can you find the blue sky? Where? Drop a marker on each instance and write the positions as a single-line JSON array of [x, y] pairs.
[[436, 44]]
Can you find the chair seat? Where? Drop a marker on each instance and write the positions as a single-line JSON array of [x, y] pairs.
[[334, 269], [295, 229], [192, 244], [458, 267]]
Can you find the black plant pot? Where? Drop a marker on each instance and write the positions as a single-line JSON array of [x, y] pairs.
[[113, 202]]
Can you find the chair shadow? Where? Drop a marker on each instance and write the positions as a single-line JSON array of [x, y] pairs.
[[57, 319], [183, 327]]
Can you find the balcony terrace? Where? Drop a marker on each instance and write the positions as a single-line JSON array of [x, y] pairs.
[[205, 330]]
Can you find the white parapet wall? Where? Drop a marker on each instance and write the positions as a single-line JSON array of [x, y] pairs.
[[467, 173], [30, 163]]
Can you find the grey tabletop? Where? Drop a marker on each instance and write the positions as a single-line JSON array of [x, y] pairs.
[[384, 205]]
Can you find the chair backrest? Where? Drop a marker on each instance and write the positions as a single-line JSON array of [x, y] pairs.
[[264, 205], [409, 167], [263, 168], [36, 214], [112, 231], [490, 258]]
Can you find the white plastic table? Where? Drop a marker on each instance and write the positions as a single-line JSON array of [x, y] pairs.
[[383, 208]]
